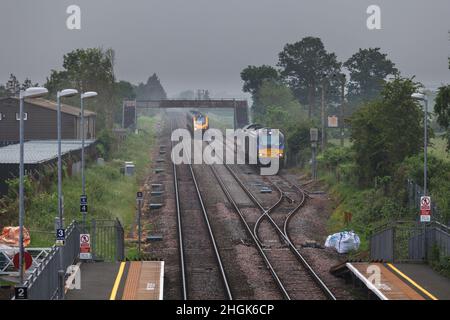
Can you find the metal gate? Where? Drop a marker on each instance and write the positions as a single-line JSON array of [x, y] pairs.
[[107, 239]]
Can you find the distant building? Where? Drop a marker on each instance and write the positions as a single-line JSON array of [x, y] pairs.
[[41, 121]]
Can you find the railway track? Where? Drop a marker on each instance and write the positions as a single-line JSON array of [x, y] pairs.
[[293, 282], [202, 272]]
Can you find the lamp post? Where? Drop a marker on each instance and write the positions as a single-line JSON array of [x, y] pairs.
[[323, 136], [85, 95], [341, 120], [423, 97], [61, 272], [33, 92]]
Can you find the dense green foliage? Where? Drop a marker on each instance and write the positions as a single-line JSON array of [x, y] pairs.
[[278, 108], [442, 111], [306, 64], [368, 69], [92, 69], [253, 77], [386, 131]]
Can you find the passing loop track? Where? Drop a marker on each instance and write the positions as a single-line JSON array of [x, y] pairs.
[[283, 233]]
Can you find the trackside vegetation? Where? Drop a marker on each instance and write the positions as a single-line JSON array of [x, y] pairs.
[[111, 194]]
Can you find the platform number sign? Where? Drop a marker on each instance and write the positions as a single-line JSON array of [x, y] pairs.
[[60, 237], [425, 209], [83, 204], [21, 293]]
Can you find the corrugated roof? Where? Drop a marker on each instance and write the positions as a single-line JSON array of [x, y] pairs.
[[52, 105], [39, 151]]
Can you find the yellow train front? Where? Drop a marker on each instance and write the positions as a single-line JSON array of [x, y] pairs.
[[197, 121], [270, 146]]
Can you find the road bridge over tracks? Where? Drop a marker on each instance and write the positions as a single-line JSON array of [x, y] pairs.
[[131, 108]]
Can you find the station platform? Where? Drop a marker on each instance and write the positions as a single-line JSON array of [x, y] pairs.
[[131, 280], [401, 281]]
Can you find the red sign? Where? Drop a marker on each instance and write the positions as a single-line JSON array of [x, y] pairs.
[[425, 203], [85, 246], [27, 259], [425, 209]]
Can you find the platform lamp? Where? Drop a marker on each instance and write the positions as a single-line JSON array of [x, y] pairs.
[[61, 94], [314, 136], [33, 92], [85, 95], [422, 97]]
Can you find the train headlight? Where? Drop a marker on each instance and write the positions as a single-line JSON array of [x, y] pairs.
[[260, 154]]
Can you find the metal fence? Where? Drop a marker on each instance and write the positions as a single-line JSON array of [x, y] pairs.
[[107, 244], [409, 241]]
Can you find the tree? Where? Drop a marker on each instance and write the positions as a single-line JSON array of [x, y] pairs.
[[152, 90], [306, 65], [3, 92], [368, 70], [275, 94], [442, 110], [28, 84], [253, 77], [123, 90], [89, 69], [386, 131], [12, 86]]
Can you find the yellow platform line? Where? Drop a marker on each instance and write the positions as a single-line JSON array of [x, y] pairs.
[[415, 284], [117, 282]]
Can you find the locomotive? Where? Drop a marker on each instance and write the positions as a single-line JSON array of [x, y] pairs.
[[267, 146], [197, 121]]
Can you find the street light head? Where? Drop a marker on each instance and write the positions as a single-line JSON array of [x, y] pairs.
[[88, 94], [419, 96], [66, 93], [33, 92]]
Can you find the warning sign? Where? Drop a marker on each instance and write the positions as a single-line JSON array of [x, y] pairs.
[[425, 209], [332, 122], [85, 246]]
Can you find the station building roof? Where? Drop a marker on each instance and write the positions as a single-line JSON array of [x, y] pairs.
[[39, 151]]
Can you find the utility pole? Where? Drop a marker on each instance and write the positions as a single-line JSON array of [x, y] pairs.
[[314, 135], [139, 199], [341, 120], [323, 136]]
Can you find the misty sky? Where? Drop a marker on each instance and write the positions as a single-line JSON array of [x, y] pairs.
[[195, 44]]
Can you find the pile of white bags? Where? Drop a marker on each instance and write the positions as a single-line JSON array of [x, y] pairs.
[[343, 242]]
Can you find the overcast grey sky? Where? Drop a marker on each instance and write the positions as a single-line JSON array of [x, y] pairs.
[[194, 44]]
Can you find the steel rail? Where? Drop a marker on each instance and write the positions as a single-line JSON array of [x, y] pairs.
[[249, 230], [210, 232], [294, 250], [179, 224]]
